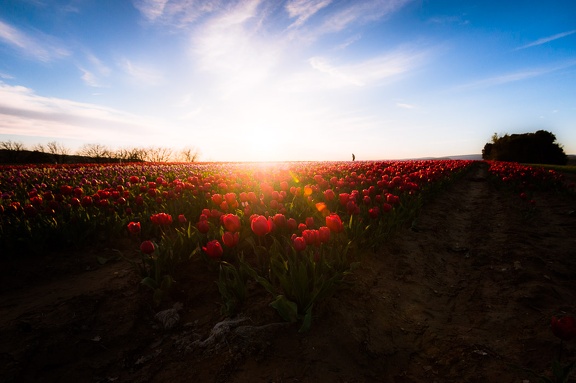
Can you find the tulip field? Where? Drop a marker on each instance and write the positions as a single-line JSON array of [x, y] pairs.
[[292, 236], [294, 227]]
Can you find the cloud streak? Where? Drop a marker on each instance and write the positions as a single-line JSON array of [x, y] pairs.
[[370, 72], [40, 47], [26, 113], [302, 10], [143, 75], [545, 40], [515, 76]]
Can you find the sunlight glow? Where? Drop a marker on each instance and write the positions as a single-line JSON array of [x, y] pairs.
[[253, 80]]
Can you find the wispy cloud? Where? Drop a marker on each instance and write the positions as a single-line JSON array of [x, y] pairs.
[[448, 20], [369, 72], [348, 42], [151, 9], [302, 10], [143, 75], [177, 13], [515, 76], [359, 13], [26, 113], [545, 40], [230, 48], [89, 78], [38, 46], [93, 71], [404, 105]]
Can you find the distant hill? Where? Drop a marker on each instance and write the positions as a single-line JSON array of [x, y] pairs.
[[571, 158], [459, 157], [474, 157]]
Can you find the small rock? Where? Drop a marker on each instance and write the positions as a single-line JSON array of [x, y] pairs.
[[169, 318]]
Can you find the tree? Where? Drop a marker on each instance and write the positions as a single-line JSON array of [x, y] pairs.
[[188, 154], [96, 151], [158, 154], [12, 145], [12, 152], [130, 154], [536, 148], [57, 150]]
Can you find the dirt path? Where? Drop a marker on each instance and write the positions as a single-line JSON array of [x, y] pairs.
[[465, 295]]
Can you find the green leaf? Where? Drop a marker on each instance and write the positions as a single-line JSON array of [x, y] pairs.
[[167, 282], [288, 310], [307, 321], [150, 282], [562, 373], [102, 260], [265, 283]]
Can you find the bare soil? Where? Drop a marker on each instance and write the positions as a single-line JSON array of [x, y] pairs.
[[463, 295]]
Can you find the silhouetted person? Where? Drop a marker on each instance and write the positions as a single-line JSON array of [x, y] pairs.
[[353, 157]]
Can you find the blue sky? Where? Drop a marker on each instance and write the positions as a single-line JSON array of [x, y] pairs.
[[287, 80]]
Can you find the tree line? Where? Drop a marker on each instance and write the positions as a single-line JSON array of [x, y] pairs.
[[13, 152], [530, 148]]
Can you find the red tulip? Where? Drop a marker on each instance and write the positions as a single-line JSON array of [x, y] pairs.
[[213, 249], [334, 223], [231, 222], [299, 243], [280, 220], [230, 239], [324, 234], [386, 207], [161, 219], [87, 201], [203, 226], [292, 224], [309, 221], [134, 228], [261, 225], [147, 247], [217, 199], [66, 189], [311, 237], [352, 208], [231, 199], [329, 194], [564, 327]]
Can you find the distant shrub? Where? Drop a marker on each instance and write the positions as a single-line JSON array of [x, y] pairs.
[[530, 148]]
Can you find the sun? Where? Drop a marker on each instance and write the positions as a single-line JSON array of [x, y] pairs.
[[263, 144]]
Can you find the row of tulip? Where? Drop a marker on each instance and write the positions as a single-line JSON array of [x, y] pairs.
[[54, 206], [524, 180], [294, 228]]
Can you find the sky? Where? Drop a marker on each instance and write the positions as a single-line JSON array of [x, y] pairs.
[[294, 80]]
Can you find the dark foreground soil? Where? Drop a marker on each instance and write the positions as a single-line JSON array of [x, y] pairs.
[[464, 295]]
